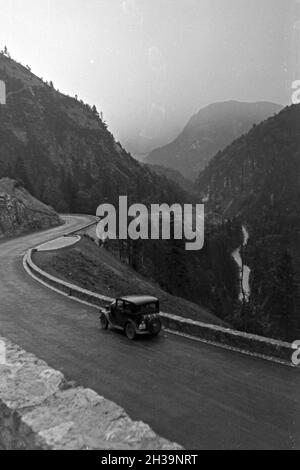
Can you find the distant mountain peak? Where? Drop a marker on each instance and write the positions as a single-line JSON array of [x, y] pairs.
[[209, 131]]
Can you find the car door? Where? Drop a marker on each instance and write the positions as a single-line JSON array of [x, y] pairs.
[[120, 313], [127, 312]]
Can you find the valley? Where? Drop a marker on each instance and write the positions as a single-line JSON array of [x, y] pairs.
[[208, 132], [149, 228], [77, 165]]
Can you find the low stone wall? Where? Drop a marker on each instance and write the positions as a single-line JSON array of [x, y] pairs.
[[243, 342], [39, 410]]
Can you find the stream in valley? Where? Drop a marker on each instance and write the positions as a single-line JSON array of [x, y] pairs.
[[244, 271]]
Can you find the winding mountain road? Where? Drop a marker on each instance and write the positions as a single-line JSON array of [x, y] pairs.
[[198, 395]]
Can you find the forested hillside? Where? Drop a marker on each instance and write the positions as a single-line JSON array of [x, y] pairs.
[[62, 150], [257, 180]]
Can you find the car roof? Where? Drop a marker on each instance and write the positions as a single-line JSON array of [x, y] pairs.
[[138, 299]]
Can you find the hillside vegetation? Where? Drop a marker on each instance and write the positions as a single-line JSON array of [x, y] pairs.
[[95, 269]]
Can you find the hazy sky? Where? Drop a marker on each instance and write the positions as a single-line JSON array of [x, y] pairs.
[[150, 64]]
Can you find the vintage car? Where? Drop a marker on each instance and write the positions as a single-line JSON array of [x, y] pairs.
[[133, 315]]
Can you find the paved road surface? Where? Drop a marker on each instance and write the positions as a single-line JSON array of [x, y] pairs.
[[198, 395]]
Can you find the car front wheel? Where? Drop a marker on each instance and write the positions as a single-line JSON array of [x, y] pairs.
[[155, 327], [130, 331]]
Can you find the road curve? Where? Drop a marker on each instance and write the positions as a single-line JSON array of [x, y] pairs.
[[198, 395]]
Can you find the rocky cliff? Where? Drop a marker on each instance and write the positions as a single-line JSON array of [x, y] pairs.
[[20, 212]]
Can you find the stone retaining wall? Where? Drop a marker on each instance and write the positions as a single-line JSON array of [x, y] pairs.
[[243, 342], [39, 410]]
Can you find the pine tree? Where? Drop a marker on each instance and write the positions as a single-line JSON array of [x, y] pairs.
[[95, 112]]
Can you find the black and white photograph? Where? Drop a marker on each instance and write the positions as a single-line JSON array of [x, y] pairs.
[[149, 228]]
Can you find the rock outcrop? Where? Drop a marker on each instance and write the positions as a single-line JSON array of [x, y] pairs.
[[20, 212]]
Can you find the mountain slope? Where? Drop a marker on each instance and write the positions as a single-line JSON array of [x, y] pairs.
[[20, 212], [62, 151], [172, 175], [257, 171], [257, 180], [209, 131]]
